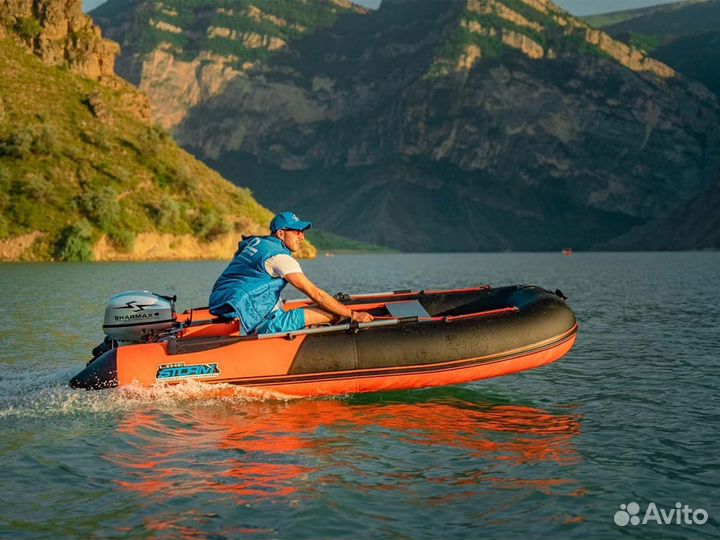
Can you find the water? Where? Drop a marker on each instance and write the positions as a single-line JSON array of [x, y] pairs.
[[630, 415]]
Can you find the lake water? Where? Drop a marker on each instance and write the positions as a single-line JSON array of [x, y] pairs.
[[630, 415]]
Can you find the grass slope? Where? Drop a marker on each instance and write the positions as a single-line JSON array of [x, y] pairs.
[[75, 168]]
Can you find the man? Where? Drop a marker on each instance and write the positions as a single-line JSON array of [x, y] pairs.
[[249, 288]]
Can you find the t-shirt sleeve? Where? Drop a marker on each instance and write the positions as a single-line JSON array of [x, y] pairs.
[[280, 265]]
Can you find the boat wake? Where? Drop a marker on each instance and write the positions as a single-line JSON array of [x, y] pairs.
[[194, 392], [43, 394]]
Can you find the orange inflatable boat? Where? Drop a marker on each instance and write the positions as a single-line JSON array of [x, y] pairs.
[[418, 339]]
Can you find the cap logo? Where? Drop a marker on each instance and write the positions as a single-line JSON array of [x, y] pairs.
[[294, 217]]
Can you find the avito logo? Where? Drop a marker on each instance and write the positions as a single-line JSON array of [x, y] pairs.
[[629, 514]]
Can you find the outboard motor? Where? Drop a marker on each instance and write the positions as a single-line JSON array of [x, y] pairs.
[[136, 317]]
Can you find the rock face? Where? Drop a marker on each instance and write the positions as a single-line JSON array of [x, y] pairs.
[[482, 16], [696, 57], [181, 54], [694, 224], [462, 125], [58, 32], [175, 86]]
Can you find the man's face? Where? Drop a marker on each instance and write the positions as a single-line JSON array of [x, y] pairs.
[[291, 238]]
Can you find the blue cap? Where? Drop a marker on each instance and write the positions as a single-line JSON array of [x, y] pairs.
[[288, 220]]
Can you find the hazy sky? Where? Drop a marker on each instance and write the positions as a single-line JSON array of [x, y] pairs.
[[576, 7]]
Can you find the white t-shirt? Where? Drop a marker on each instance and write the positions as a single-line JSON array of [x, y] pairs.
[[280, 265]]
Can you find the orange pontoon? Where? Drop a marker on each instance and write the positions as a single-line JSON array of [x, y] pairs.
[[418, 339]]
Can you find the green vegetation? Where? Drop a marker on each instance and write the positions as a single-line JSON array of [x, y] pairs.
[[643, 42], [574, 42], [607, 19], [75, 177], [75, 243], [332, 243], [498, 23], [491, 46], [282, 19], [530, 13], [28, 28], [208, 224], [561, 39]]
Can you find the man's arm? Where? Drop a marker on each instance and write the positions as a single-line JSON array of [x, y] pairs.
[[323, 299]]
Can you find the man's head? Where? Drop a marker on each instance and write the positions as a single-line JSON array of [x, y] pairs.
[[289, 229]]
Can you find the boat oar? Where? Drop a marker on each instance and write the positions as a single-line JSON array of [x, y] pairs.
[[341, 327]]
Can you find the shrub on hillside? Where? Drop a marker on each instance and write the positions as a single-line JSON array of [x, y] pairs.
[[45, 142], [30, 141], [152, 141], [4, 227], [101, 207], [122, 239], [28, 28], [184, 180], [19, 144], [75, 243], [166, 214], [34, 187], [5, 180], [208, 224], [99, 136]]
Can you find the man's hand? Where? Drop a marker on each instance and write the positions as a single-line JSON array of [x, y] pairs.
[[360, 316]]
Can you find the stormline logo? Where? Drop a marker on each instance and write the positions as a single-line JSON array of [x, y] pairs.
[[629, 514]]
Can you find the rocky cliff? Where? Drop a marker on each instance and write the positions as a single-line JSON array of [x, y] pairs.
[[59, 33], [540, 29], [462, 125], [181, 54], [694, 224]]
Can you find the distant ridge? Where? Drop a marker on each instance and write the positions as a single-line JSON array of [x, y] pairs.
[[605, 20], [676, 19]]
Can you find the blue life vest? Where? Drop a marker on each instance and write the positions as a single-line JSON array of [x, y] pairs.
[[245, 289]]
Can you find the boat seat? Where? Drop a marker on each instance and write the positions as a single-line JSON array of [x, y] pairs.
[[409, 308]]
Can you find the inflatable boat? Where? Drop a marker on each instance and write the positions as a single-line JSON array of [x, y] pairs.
[[418, 339]]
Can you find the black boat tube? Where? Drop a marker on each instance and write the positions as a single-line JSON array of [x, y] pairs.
[[100, 373]]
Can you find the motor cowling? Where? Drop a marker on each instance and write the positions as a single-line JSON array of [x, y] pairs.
[[137, 316]]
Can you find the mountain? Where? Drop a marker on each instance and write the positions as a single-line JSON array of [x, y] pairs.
[[83, 173], [454, 126], [684, 35], [695, 224], [696, 56]]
